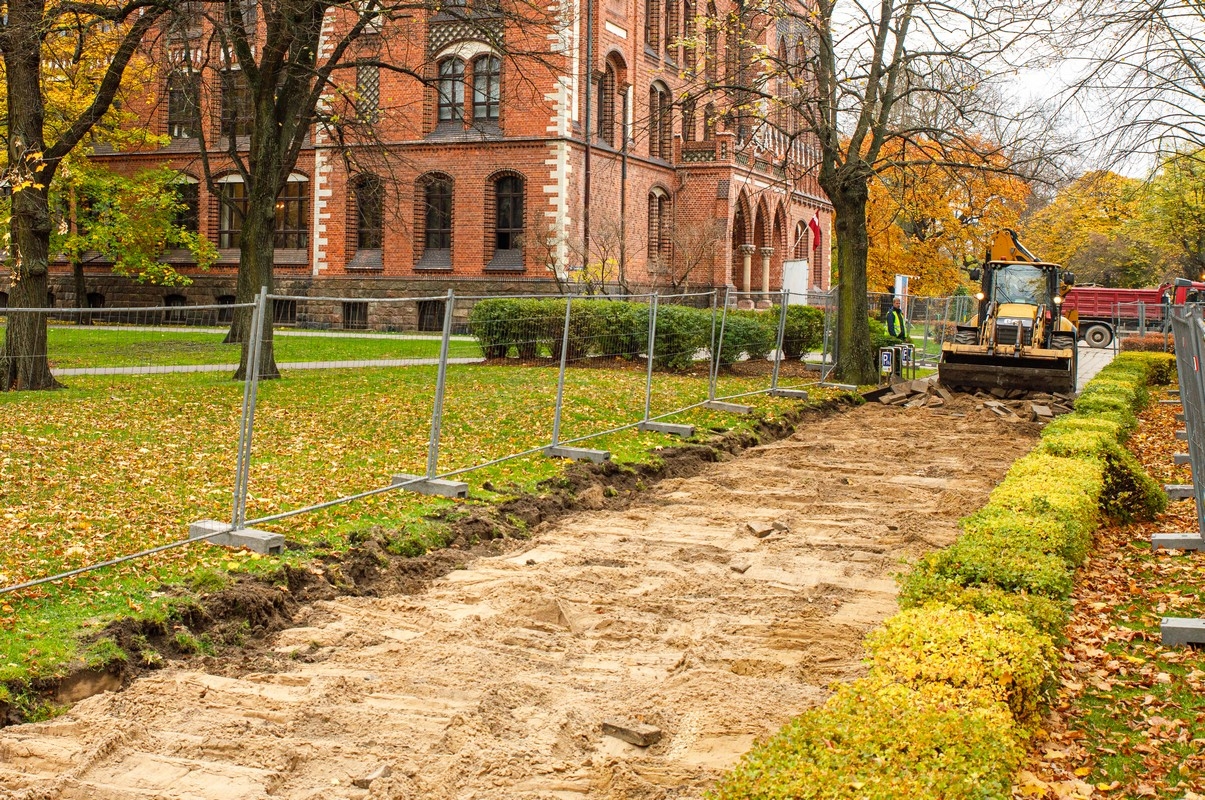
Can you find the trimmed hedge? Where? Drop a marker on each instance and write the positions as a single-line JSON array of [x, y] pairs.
[[532, 327], [1150, 343], [960, 677]]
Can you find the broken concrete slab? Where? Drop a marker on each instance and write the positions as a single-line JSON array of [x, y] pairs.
[[739, 566], [760, 529], [430, 486], [1178, 631], [220, 533], [363, 782], [1177, 541], [637, 733], [1178, 491]]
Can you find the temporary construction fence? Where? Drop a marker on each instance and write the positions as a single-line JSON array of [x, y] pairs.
[[1188, 328], [663, 355]]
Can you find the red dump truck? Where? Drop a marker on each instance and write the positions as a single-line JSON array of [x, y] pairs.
[[1101, 313]]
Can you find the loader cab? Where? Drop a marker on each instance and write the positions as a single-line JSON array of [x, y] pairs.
[[1016, 290]]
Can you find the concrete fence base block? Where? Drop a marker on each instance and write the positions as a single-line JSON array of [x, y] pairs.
[[1177, 541], [1182, 435], [1179, 417], [672, 428], [798, 394], [1180, 459], [1178, 491], [433, 486], [1173, 392], [1182, 631], [1169, 402], [845, 387], [578, 453], [254, 540], [731, 408]]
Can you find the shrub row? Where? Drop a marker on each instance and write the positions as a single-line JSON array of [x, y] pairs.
[[530, 328], [1149, 343], [960, 677]]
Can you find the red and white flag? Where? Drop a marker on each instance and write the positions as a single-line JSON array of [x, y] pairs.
[[814, 224]]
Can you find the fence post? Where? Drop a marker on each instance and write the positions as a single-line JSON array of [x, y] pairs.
[[717, 345], [247, 422], [427, 483], [556, 450], [648, 379], [560, 381], [925, 344], [441, 379], [782, 329]]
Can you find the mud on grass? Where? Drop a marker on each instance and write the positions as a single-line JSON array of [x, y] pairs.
[[224, 622]]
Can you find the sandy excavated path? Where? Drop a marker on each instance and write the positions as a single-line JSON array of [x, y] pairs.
[[494, 682]]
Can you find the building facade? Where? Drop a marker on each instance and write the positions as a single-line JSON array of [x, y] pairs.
[[484, 176]]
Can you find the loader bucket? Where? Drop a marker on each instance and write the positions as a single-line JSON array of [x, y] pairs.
[[988, 372]]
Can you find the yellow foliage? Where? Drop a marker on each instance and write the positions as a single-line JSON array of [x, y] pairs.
[[929, 218]]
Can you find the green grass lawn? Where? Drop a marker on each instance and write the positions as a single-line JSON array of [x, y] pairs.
[[80, 347], [114, 464]]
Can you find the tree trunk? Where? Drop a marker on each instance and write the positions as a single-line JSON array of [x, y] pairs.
[[24, 363], [256, 259], [856, 359], [81, 292]]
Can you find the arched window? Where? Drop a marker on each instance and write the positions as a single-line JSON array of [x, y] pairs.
[[781, 83], [652, 23], [237, 104], [451, 90], [487, 95], [183, 104], [689, 30], [708, 122], [713, 43], [801, 241], [293, 214], [658, 230], [688, 120], [369, 194], [438, 224], [188, 193], [671, 27], [660, 122], [232, 210], [433, 218], [509, 222], [95, 300], [606, 105]]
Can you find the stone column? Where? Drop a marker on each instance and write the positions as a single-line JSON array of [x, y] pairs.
[[766, 254], [747, 251]]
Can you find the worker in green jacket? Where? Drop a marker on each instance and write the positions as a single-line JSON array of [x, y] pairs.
[[897, 326]]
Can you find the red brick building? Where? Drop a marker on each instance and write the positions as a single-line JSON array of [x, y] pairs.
[[476, 179]]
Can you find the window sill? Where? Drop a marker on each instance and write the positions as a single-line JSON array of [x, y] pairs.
[[506, 261], [435, 261], [366, 260]]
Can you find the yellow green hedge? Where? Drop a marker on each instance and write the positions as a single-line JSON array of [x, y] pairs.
[[959, 678]]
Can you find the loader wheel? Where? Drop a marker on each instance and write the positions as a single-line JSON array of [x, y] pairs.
[[1062, 341], [1098, 336]]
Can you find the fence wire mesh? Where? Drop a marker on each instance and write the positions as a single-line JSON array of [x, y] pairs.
[[432, 386], [100, 469], [1188, 328]]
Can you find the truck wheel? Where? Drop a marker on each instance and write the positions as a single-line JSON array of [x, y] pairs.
[[1098, 336]]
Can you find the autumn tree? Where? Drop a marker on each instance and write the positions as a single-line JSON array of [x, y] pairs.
[[852, 78], [932, 219], [1100, 227], [290, 71], [88, 47], [129, 221], [1176, 209]]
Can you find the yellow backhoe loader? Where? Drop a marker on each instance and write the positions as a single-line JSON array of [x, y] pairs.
[[1020, 338]]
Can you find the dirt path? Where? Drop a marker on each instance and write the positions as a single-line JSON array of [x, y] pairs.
[[494, 682]]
